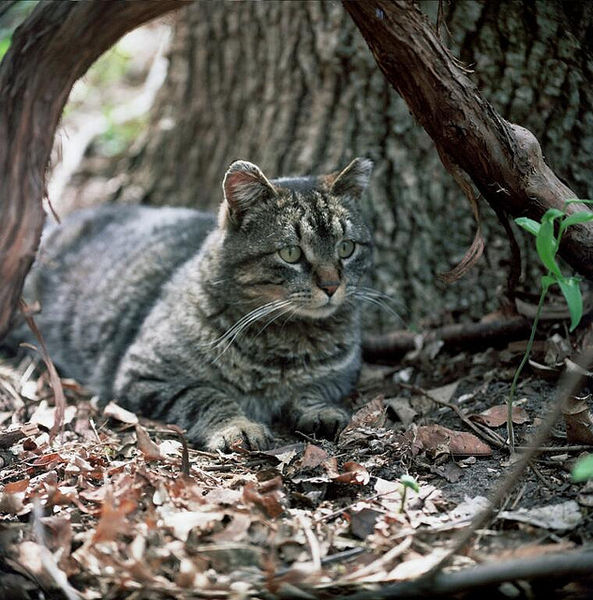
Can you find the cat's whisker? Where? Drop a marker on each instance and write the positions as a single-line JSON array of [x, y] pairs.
[[259, 313], [284, 311], [377, 300], [368, 291]]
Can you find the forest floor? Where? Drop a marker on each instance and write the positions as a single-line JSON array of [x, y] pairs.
[[109, 507]]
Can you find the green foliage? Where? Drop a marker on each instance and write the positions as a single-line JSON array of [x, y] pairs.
[[547, 243], [583, 469], [5, 45]]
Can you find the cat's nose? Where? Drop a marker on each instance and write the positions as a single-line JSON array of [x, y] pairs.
[[329, 287]]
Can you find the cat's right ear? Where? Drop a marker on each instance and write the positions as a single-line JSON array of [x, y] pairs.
[[243, 185]]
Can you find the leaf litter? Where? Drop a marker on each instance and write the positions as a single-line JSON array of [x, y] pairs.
[[116, 506]]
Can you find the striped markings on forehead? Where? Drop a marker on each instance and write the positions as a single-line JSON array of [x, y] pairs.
[[307, 217], [317, 215]]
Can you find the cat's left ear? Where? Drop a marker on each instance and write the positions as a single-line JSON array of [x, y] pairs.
[[353, 180], [243, 185]]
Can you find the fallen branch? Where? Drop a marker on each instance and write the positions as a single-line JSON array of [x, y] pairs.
[[391, 346], [546, 567]]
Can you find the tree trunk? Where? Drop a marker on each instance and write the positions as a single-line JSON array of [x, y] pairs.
[[53, 48], [293, 87]]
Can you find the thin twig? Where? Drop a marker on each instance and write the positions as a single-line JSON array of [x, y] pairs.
[[56, 383]]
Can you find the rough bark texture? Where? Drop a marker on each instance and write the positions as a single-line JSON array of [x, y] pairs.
[[293, 87], [53, 48], [504, 160]]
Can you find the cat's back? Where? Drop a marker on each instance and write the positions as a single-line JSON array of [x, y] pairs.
[[99, 274]]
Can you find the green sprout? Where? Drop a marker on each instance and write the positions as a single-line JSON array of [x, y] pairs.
[[583, 469], [408, 482], [547, 243]]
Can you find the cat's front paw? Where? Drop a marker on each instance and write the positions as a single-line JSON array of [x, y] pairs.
[[327, 421], [251, 435]]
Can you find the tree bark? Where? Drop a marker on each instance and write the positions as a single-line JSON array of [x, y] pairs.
[[504, 160], [49, 52]]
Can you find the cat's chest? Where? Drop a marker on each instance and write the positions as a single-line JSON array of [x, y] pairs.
[[286, 370]]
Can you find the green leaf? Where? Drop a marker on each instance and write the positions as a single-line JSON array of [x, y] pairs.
[[572, 293], [583, 469], [546, 245], [4, 46], [548, 281], [577, 200], [579, 217], [409, 481], [528, 224], [552, 213]]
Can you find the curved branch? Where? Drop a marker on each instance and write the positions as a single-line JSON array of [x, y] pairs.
[[504, 160], [49, 52]]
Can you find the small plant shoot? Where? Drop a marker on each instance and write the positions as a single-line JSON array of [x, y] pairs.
[[583, 469], [547, 243], [408, 482]]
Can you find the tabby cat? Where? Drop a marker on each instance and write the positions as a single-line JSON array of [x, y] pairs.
[[221, 326]]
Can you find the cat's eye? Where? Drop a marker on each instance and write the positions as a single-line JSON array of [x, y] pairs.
[[290, 254], [346, 248]]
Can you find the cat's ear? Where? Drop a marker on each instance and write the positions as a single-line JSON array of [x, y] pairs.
[[243, 185], [353, 180]]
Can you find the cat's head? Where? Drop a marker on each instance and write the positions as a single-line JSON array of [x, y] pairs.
[[299, 242]]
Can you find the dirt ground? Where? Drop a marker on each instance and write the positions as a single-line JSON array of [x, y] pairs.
[[109, 507]]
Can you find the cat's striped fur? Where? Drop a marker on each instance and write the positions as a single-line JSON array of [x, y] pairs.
[[201, 321]]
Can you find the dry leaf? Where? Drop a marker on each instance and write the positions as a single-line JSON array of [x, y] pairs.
[[437, 439], [578, 421], [150, 450], [113, 521], [564, 516], [181, 523], [115, 411], [353, 473], [268, 500], [497, 416], [313, 457]]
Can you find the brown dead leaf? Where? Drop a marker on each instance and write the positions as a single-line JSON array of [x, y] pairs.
[[353, 473], [49, 461], [496, 416], [15, 487], [150, 450], [437, 440], [267, 496], [578, 421], [313, 457], [372, 414], [115, 411], [113, 521], [12, 497]]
